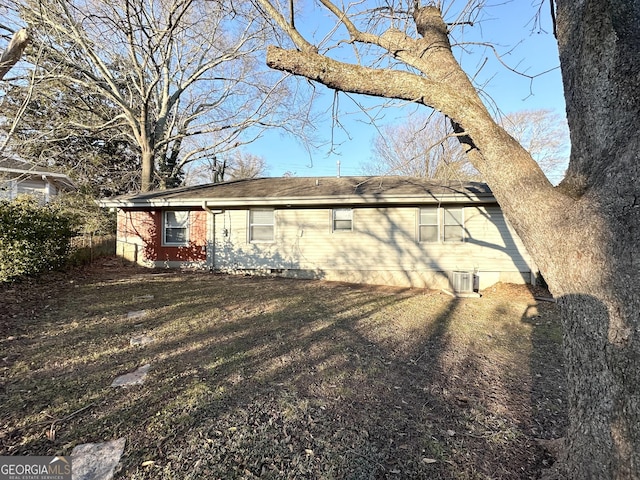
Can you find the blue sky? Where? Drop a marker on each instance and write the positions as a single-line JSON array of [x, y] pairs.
[[509, 26]]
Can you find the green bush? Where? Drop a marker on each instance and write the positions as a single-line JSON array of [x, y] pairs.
[[91, 220], [33, 238]]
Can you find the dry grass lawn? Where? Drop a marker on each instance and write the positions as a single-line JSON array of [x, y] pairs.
[[272, 378]]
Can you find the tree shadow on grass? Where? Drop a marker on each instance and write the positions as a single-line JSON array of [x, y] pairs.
[[271, 378], [548, 393]]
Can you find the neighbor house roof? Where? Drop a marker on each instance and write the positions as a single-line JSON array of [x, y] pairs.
[[18, 168], [307, 192]]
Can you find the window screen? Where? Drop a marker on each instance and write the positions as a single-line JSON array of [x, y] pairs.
[[453, 225], [342, 220], [176, 228], [438, 224], [429, 224], [261, 226]]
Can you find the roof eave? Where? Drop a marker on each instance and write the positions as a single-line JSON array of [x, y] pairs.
[[33, 172], [60, 178], [288, 202]]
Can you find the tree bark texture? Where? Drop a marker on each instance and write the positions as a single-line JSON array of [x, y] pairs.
[[599, 45], [585, 234], [14, 50], [148, 169]]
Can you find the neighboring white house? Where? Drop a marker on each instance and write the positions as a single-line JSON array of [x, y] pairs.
[[379, 230], [21, 178]]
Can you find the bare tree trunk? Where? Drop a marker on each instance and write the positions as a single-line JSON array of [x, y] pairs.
[[590, 269], [219, 169], [146, 180], [600, 58]]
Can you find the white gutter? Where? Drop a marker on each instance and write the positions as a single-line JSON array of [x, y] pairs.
[[208, 209], [46, 176], [35, 172], [292, 202]]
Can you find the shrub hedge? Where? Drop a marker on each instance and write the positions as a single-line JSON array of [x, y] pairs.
[[34, 238]]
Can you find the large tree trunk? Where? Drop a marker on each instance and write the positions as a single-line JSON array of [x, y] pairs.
[[146, 180], [585, 234], [600, 57], [593, 273]]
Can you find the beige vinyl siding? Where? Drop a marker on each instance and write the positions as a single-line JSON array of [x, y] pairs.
[[382, 240], [12, 188], [36, 188], [7, 189], [495, 242]]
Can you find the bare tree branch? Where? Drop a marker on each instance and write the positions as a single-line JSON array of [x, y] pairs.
[[13, 52], [174, 69]]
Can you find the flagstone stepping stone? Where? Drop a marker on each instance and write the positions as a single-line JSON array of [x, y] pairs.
[[144, 297], [137, 314], [141, 340], [96, 461], [133, 378]]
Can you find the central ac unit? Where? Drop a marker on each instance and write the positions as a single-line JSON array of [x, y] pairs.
[[461, 282]]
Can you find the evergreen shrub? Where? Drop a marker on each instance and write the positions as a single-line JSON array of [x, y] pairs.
[[34, 238]]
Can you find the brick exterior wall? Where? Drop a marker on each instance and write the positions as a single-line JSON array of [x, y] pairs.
[[140, 237]]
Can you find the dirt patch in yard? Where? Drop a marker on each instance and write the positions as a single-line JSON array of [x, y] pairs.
[[275, 378]]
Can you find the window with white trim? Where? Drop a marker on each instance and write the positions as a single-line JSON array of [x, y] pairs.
[[428, 225], [453, 229], [342, 219], [261, 226], [175, 228], [441, 224]]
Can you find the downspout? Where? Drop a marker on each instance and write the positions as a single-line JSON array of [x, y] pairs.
[[211, 234], [47, 189]]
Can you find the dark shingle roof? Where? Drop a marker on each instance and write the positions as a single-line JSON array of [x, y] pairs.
[[308, 190], [14, 165]]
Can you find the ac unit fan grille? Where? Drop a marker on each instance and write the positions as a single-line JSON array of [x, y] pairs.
[[461, 282]]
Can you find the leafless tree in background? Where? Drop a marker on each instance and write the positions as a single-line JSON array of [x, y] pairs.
[[246, 165], [545, 135], [235, 165], [183, 76], [422, 146], [425, 146]]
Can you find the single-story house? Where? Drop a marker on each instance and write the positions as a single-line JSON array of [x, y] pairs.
[[18, 177], [379, 230]]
